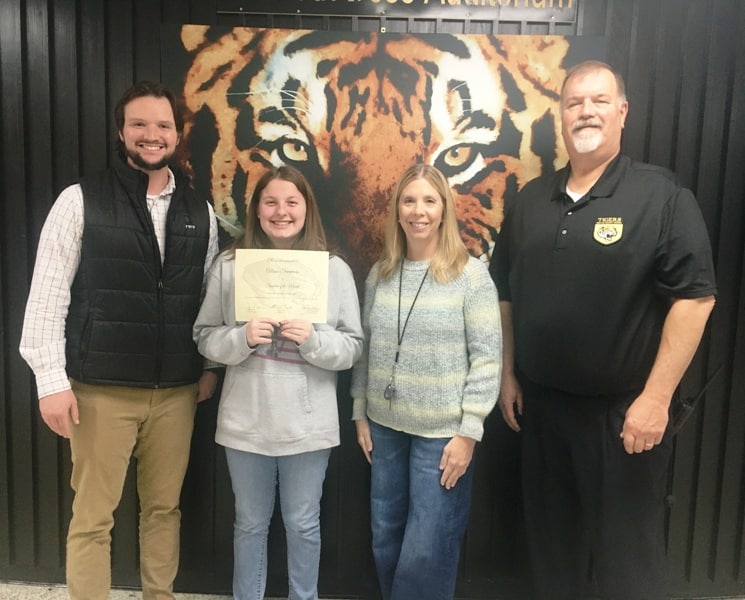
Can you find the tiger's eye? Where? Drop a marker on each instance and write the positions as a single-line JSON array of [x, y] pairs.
[[295, 151], [457, 156]]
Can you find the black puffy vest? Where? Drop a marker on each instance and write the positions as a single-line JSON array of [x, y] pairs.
[[130, 318]]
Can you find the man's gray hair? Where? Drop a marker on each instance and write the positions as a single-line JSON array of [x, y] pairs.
[[590, 66]]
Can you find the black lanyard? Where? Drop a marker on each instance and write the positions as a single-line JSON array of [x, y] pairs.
[[390, 389]]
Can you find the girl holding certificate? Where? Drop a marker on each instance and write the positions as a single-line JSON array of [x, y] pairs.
[[428, 378], [278, 416]]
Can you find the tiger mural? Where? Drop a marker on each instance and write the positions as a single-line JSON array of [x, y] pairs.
[[353, 110]]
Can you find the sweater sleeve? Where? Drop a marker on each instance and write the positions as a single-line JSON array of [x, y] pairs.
[[484, 343], [359, 373], [336, 345]]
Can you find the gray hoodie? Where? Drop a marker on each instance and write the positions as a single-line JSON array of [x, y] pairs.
[[279, 399]]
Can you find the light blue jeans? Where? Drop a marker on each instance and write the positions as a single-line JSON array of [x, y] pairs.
[[254, 478], [417, 524]]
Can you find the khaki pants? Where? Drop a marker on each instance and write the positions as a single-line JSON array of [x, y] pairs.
[[116, 423]]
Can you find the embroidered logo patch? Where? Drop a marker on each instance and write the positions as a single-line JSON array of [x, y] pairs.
[[608, 230]]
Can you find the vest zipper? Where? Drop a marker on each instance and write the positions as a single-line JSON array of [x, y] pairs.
[[161, 326]]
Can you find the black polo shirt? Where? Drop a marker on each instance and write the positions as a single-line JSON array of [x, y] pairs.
[[591, 282]]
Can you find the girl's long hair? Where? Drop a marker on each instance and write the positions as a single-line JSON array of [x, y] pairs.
[[451, 254]]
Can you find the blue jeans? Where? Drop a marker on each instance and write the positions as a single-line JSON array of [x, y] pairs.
[[254, 479], [417, 525]]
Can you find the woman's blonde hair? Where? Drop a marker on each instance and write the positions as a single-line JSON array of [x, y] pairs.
[[451, 255], [311, 237]]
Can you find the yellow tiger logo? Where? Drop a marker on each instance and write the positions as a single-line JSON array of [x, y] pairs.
[[353, 110]]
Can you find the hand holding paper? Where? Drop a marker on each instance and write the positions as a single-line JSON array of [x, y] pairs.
[[296, 330], [260, 330]]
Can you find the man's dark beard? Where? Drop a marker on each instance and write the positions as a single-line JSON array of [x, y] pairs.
[[138, 161]]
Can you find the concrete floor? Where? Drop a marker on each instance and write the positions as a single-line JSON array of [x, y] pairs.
[[17, 591], [28, 591]]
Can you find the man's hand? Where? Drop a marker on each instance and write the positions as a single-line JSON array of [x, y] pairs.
[[58, 409], [646, 420], [206, 385], [510, 397], [510, 400], [456, 456], [364, 439]]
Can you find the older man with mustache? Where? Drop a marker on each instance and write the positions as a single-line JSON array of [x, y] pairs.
[[606, 282]]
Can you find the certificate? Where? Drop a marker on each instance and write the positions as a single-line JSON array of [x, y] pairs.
[[281, 284]]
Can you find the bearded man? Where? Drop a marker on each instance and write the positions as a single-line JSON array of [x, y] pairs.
[[107, 332]]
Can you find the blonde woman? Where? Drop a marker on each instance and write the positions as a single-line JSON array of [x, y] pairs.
[[428, 378]]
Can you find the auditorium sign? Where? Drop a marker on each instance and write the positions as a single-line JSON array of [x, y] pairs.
[[564, 11]]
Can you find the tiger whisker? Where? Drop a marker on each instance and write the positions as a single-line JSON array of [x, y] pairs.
[[228, 225], [461, 84], [255, 92], [464, 99], [305, 111], [283, 93]]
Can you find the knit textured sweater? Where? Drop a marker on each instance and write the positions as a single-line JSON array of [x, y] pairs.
[[448, 372]]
